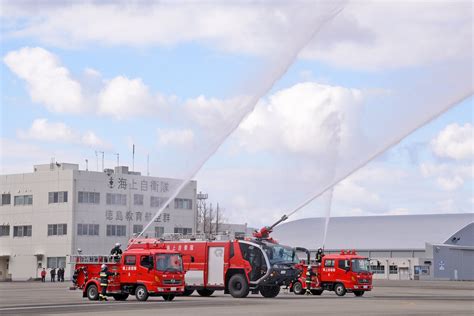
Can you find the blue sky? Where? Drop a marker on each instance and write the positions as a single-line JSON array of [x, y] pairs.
[[173, 90]]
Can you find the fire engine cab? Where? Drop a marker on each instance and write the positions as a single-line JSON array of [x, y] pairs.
[[237, 267], [341, 273], [146, 270]]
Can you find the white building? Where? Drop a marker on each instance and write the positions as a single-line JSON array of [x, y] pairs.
[[48, 214], [434, 246]]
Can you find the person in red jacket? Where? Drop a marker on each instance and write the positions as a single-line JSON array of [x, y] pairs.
[[43, 275]]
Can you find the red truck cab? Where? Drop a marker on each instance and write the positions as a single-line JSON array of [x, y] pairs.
[[142, 271], [341, 273]]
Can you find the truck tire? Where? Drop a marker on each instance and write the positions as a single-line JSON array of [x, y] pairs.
[[298, 288], [340, 289], [316, 292], [188, 292], [205, 292], [92, 292], [238, 286], [141, 293], [168, 297], [120, 297], [359, 293], [270, 291]]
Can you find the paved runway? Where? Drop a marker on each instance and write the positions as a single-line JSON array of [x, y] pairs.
[[388, 298]]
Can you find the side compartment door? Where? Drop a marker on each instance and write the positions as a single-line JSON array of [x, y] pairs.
[[215, 266]]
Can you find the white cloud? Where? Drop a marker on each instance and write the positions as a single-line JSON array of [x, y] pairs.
[[48, 81], [448, 176], [369, 34], [42, 130], [455, 142], [184, 137], [124, 98], [250, 28], [307, 118], [366, 35]]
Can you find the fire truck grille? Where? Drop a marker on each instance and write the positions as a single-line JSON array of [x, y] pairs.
[[363, 281], [172, 282]]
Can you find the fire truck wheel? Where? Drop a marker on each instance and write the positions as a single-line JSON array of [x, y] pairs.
[[141, 293], [205, 292], [188, 292], [270, 291], [358, 293], [316, 292], [238, 286], [120, 297], [92, 292], [340, 289], [168, 297], [298, 288]]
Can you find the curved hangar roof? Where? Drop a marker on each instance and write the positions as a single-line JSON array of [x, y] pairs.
[[402, 232]]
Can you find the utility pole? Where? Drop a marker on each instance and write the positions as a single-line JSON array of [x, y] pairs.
[[217, 219], [118, 160], [133, 158], [97, 160]]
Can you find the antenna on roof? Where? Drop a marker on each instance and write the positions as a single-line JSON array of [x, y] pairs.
[[133, 158], [148, 164], [118, 160], [87, 164]]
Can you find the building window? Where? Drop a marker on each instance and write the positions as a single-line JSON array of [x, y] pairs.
[[6, 199], [393, 269], [156, 201], [4, 230], [137, 229], [57, 197], [56, 262], [329, 263], [88, 229], [23, 200], [183, 231], [88, 197], [116, 230], [116, 199], [185, 204], [378, 269], [22, 231], [57, 229], [159, 231], [138, 199]]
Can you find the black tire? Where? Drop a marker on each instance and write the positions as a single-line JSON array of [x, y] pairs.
[[270, 291], [238, 286], [168, 297], [120, 297], [316, 292], [298, 288], [92, 292], [340, 289], [359, 293], [205, 292], [141, 293], [188, 292]]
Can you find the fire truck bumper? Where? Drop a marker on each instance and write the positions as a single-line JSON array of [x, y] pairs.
[[281, 277], [364, 287], [170, 290]]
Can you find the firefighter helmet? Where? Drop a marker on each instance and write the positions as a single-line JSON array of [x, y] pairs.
[[103, 267]]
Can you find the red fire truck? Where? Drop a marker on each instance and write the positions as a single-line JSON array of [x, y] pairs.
[[146, 270], [341, 273], [237, 267]]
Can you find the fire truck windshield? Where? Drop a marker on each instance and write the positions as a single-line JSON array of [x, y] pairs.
[[169, 263], [360, 265], [279, 253]]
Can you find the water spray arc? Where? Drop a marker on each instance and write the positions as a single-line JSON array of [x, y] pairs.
[[274, 73]]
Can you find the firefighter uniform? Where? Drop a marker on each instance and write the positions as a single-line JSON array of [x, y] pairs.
[[319, 255], [104, 282]]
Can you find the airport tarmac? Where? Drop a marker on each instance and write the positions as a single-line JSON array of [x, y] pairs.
[[388, 298]]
